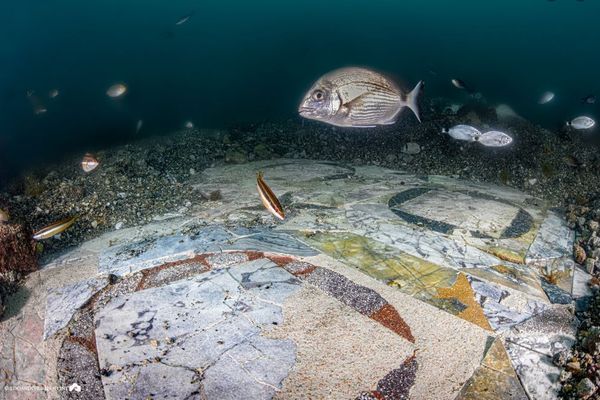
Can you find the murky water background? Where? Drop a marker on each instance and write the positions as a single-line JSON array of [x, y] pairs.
[[251, 61]]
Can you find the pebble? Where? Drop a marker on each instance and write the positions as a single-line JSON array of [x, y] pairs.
[[411, 148], [585, 388], [119, 225], [192, 171], [94, 224], [590, 263]]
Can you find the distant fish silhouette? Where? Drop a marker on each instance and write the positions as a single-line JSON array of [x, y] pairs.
[[589, 99], [184, 19], [546, 98], [138, 126], [460, 84]]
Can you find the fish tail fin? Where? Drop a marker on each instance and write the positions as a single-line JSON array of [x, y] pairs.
[[412, 99]]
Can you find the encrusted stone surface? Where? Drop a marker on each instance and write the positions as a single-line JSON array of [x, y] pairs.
[[554, 240], [548, 332], [152, 252], [62, 303]]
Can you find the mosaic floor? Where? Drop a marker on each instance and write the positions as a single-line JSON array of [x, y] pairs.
[[377, 285]]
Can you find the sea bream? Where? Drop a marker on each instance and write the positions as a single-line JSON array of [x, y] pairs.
[[495, 139], [357, 97], [582, 123], [463, 132]]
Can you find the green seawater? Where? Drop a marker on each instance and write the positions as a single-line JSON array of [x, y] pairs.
[[251, 61]]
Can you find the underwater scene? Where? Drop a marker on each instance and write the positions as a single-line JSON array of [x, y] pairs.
[[366, 200]]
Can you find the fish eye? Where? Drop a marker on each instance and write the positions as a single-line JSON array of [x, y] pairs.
[[318, 95]]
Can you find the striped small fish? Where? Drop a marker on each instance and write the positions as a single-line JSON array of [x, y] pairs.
[[268, 198], [54, 229], [357, 97]]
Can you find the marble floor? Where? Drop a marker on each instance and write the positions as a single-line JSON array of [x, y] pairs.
[[377, 285]]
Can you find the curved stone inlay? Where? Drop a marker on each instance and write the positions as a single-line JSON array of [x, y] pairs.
[[445, 211], [204, 322]]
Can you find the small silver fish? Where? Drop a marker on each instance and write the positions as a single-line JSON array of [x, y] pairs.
[[463, 132], [89, 163], [268, 198], [40, 109], [459, 84], [184, 19], [116, 90], [138, 126], [357, 97], [495, 139], [189, 125], [36, 103], [582, 123], [546, 98], [54, 229], [53, 93], [4, 216]]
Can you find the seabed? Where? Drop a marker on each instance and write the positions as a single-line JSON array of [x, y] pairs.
[[377, 285]]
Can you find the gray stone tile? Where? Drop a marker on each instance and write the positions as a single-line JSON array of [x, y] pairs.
[[131, 257], [499, 306], [253, 370], [548, 332], [206, 322], [580, 283], [152, 381], [62, 303], [554, 240], [536, 372]]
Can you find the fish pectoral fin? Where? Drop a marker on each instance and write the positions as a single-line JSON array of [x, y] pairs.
[[356, 102]]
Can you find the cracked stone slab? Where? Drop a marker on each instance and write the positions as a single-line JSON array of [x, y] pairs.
[[62, 303], [538, 375], [132, 257], [255, 368], [196, 324], [548, 332], [457, 211], [554, 240], [152, 380], [503, 307], [444, 251]]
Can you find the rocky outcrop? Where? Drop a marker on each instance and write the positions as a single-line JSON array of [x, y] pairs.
[[17, 257]]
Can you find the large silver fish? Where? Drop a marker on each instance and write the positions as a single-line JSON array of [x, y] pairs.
[[357, 97]]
